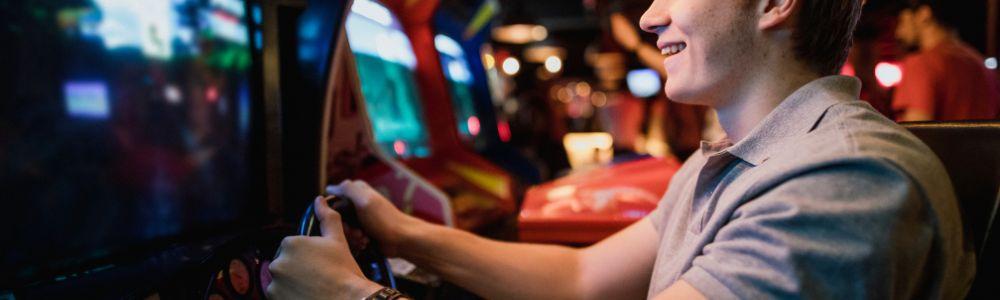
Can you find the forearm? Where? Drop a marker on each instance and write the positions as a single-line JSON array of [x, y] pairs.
[[493, 269]]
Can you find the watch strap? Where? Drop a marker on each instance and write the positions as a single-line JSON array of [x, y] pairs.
[[386, 294]]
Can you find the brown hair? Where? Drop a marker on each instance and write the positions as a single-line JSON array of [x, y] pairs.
[[824, 33]]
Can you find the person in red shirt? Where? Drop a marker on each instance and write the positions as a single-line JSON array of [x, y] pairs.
[[946, 79]]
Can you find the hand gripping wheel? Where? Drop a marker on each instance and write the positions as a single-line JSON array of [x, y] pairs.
[[371, 260]]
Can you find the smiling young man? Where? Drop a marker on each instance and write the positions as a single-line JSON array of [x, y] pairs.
[[812, 195]]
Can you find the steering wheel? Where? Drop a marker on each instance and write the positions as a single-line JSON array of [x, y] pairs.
[[371, 260]]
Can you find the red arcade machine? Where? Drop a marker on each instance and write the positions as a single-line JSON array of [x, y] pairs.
[[410, 108]]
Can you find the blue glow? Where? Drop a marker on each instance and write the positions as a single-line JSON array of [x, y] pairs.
[[377, 37], [257, 15], [243, 109], [308, 31], [453, 59], [87, 99], [258, 40], [643, 82]]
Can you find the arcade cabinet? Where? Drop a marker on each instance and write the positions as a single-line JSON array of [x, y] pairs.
[[138, 138], [463, 31], [407, 101], [132, 159]]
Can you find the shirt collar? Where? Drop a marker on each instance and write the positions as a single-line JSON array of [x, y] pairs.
[[796, 115]]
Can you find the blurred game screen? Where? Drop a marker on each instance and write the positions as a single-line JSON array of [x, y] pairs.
[[456, 68], [123, 123], [386, 65]]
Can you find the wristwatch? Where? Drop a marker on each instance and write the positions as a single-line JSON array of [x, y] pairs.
[[387, 294]]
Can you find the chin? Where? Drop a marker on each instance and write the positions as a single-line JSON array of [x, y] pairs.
[[682, 95]]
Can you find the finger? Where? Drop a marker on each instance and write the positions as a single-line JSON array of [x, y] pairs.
[[337, 189], [360, 193], [329, 219]]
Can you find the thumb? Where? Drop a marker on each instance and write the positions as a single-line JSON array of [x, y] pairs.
[[329, 219]]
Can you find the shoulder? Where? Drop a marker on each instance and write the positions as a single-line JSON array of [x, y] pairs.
[[852, 131]]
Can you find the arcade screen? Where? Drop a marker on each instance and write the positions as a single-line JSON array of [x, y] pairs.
[[124, 125], [459, 75], [386, 66]]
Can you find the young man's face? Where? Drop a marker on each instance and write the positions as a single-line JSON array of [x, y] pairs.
[[708, 44]]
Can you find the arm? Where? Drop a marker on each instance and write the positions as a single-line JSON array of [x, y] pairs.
[[503, 270]]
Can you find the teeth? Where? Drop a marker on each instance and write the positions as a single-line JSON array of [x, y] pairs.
[[673, 49]]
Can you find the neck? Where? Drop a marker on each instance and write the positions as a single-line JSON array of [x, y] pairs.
[[762, 93], [932, 36]]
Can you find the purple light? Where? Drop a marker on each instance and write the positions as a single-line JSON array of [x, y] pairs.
[[87, 99]]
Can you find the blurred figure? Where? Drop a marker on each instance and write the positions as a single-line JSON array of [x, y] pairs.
[[946, 79]]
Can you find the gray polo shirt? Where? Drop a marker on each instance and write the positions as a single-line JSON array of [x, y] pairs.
[[826, 198]]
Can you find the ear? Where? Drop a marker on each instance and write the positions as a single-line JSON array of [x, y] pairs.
[[777, 12]]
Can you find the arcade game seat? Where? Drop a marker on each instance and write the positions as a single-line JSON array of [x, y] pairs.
[[970, 152]]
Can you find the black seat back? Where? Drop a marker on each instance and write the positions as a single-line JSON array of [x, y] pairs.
[[970, 152]]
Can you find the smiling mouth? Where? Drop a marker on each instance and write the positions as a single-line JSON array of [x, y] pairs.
[[673, 49]]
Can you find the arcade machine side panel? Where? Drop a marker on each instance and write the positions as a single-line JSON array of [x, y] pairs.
[[349, 150]]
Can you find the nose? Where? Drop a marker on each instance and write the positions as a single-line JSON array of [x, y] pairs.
[[656, 19]]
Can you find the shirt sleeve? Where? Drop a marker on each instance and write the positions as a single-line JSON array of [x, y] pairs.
[[809, 237], [916, 88], [686, 173]]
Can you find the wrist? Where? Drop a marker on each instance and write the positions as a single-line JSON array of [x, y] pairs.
[[364, 288]]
